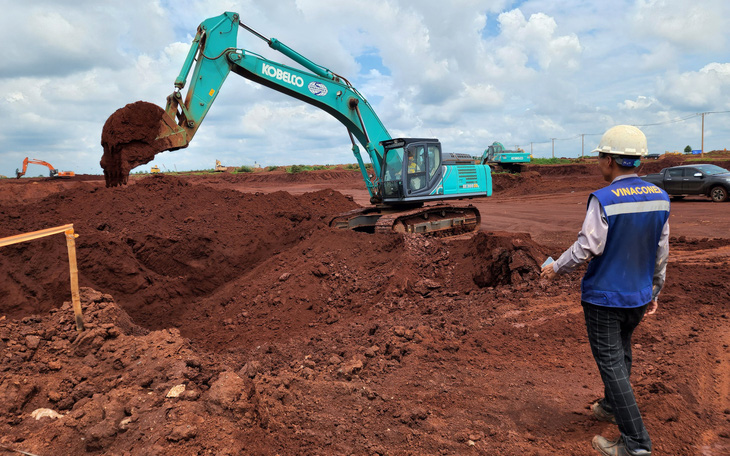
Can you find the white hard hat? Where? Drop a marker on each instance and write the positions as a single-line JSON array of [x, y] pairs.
[[623, 140]]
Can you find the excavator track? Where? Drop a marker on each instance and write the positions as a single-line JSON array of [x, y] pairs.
[[438, 221], [361, 219]]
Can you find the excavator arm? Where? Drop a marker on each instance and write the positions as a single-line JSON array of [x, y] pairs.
[[213, 55]]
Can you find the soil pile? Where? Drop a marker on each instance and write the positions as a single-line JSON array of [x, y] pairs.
[[118, 387], [154, 245], [128, 139]]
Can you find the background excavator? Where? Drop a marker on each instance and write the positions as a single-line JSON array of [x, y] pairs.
[[407, 172], [509, 160], [54, 173], [219, 168]]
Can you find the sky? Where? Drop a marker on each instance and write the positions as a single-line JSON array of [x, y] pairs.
[[547, 76]]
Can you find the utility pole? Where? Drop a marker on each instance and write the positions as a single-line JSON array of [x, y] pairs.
[[530, 149], [582, 144], [702, 148], [553, 140]]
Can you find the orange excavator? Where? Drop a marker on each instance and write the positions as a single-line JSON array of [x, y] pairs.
[[54, 172]]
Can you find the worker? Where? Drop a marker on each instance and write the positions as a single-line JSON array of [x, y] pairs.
[[416, 166], [625, 236], [412, 168]]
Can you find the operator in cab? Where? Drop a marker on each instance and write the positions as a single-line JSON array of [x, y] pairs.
[[625, 236]]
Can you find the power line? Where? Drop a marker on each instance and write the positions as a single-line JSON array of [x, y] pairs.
[[666, 122], [669, 121]]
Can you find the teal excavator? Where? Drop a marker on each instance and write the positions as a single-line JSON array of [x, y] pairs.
[[408, 173], [509, 160]]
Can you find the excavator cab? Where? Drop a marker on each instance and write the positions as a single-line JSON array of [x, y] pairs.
[[412, 168]]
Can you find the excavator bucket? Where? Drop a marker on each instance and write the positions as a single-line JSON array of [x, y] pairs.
[[133, 135]]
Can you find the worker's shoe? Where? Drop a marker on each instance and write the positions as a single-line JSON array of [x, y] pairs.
[[615, 447], [602, 414]]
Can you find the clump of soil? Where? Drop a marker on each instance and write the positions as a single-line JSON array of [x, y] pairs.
[[128, 139]]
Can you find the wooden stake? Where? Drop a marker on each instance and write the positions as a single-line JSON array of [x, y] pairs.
[[74, 273], [73, 270]]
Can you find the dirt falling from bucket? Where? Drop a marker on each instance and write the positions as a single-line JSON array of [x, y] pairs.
[[128, 139]]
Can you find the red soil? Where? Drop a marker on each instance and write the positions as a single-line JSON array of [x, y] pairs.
[[292, 338], [128, 139]]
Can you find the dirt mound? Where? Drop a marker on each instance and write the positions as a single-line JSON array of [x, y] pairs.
[[128, 139], [153, 245], [338, 275], [119, 388], [669, 160], [163, 245], [305, 176], [516, 184], [573, 169]]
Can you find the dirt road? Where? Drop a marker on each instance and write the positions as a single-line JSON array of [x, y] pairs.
[[290, 338]]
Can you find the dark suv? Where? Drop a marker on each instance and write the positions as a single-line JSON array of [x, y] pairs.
[[679, 181]]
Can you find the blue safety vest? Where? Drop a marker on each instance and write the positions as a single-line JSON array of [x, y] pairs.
[[622, 276]]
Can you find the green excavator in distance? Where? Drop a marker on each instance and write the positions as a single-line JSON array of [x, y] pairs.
[[500, 158]]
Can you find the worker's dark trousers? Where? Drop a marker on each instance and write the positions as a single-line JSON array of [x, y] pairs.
[[609, 333]]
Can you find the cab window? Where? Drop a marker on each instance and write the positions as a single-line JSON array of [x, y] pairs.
[[434, 160], [416, 168], [674, 173], [394, 164]]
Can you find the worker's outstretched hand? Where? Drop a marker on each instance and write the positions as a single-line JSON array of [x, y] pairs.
[[653, 306], [548, 272]]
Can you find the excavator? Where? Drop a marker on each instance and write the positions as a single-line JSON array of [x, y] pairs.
[[508, 160], [54, 172], [411, 177]]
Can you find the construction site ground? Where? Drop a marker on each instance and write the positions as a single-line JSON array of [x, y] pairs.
[[224, 317]]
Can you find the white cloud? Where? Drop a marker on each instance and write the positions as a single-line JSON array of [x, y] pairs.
[[706, 89], [641, 102], [689, 25], [536, 39]]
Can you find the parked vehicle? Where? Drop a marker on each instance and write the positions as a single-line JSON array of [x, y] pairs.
[[680, 181]]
